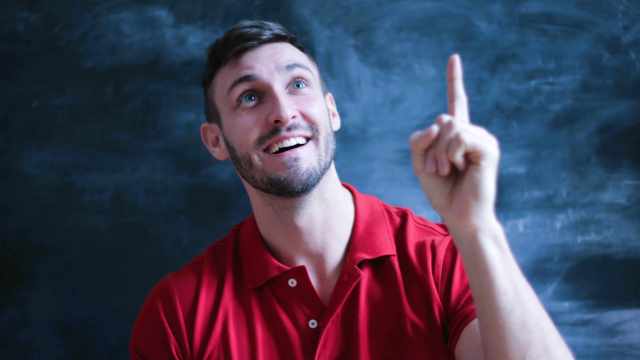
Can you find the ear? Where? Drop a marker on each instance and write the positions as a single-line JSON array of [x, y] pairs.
[[212, 138], [334, 115]]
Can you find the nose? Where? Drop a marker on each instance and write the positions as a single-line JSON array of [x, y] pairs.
[[282, 110]]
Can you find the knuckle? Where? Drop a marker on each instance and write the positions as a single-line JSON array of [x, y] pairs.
[[441, 146], [442, 119], [491, 140], [490, 137], [450, 125], [458, 138], [484, 131], [494, 141]]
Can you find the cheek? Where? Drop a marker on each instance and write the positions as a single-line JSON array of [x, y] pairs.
[[243, 124], [315, 108], [241, 137]]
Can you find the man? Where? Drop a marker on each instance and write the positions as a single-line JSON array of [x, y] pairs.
[[322, 271]]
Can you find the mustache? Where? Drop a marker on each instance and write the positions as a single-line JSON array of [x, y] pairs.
[[279, 131]]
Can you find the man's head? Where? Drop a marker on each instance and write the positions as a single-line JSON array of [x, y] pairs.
[[267, 109]]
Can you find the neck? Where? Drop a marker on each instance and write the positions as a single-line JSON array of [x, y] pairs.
[[311, 230]]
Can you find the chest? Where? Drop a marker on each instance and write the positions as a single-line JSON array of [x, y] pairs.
[[376, 311]]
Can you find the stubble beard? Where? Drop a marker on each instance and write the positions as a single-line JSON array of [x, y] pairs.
[[297, 181]]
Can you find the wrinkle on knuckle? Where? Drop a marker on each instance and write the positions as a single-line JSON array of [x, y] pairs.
[[451, 125]]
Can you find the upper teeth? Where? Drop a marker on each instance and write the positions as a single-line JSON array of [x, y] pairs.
[[298, 140]]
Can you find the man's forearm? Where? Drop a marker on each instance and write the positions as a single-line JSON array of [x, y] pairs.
[[513, 322]]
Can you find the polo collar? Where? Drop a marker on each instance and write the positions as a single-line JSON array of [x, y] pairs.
[[371, 237]]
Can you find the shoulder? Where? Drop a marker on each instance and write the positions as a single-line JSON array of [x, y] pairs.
[[427, 251], [179, 289], [422, 245], [167, 319], [377, 213], [412, 235], [412, 229], [405, 217], [207, 269]]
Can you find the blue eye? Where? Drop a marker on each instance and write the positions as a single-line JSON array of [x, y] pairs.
[[299, 84], [248, 98]]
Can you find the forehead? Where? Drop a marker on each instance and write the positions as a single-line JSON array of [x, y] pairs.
[[263, 62]]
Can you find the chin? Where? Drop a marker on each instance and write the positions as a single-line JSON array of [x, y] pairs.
[[290, 186]]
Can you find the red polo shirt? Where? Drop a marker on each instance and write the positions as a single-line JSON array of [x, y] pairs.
[[402, 293]]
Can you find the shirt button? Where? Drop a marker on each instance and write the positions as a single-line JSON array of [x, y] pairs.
[[292, 282], [313, 323]]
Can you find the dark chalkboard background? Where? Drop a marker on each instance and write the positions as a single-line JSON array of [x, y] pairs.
[[106, 187]]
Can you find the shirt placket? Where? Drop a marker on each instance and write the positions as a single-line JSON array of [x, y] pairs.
[[296, 292], [345, 285]]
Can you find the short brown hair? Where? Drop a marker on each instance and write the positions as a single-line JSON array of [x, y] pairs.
[[242, 37]]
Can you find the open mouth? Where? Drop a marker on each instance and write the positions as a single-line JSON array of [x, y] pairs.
[[286, 145]]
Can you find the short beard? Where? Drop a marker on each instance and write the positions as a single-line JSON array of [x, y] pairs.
[[296, 183]]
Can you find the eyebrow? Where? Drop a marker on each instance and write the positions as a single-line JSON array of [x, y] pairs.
[[240, 80], [251, 77], [293, 66]]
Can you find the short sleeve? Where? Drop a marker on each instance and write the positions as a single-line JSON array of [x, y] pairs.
[[455, 294], [159, 331]]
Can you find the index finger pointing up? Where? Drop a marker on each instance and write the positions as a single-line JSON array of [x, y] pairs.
[[458, 106]]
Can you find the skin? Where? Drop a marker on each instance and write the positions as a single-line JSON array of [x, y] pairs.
[[295, 229], [455, 161]]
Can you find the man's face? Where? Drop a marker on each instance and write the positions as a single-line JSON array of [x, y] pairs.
[[277, 125]]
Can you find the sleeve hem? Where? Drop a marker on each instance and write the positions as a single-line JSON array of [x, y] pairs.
[[465, 319]]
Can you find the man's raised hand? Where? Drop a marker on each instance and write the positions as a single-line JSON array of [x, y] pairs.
[[456, 162]]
